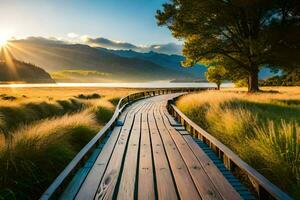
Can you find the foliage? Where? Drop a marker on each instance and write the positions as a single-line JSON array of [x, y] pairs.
[[216, 75], [263, 129], [289, 78], [242, 36]]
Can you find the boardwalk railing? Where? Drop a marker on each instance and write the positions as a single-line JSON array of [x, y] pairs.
[[263, 187], [66, 175]]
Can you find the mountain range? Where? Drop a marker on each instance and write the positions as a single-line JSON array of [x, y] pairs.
[[55, 57], [65, 61]]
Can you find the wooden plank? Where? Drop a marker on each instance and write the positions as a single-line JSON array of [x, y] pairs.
[[220, 182], [179, 128], [145, 177], [128, 179], [109, 180], [203, 183], [166, 188], [128, 109], [184, 133], [89, 186], [71, 167], [185, 185], [209, 170], [171, 119]]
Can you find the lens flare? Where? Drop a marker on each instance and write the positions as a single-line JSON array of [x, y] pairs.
[[4, 37]]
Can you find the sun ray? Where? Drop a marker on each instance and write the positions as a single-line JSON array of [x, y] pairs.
[[7, 57]]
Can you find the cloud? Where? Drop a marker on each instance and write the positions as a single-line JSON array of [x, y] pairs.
[[111, 44], [42, 40], [72, 35], [170, 48]]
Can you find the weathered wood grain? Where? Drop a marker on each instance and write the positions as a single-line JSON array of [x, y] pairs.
[[146, 187], [220, 182], [128, 179], [109, 181], [185, 185], [166, 188]]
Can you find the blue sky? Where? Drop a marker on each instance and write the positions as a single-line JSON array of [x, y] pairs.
[[124, 20]]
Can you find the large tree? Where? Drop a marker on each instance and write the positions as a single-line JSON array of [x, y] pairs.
[[243, 35]]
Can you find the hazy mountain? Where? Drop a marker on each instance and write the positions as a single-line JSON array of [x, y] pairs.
[[57, 56], [173, 62], [104, 65], [167, 61], [16, 71], [169, 48]]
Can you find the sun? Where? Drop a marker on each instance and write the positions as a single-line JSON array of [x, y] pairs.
[[4, 37]]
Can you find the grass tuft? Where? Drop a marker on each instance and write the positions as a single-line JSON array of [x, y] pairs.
[[114, 100], [263, 129], [88, 96], [103, 114], [42, 131], [40, 151]]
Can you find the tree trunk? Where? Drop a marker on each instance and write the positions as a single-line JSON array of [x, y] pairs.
[[253, 81], [218, 86]]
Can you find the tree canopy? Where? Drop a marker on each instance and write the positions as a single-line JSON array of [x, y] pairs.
[[241, 35], [216, 75]]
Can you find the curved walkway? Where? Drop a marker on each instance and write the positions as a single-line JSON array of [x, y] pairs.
[[149, 156]]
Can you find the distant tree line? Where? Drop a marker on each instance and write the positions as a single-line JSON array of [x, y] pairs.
[[15, 70], [239, 36], [289, 78]]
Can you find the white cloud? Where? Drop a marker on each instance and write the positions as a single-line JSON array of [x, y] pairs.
[[84, 38], [73, 35], [170, 48]]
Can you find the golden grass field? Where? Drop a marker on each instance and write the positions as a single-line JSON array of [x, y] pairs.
[[263, 128], [58, 93], [42, 129]]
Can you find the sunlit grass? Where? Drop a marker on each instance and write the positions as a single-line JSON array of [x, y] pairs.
[[40, 151], [43, 129], [79, 76], [263, 129]]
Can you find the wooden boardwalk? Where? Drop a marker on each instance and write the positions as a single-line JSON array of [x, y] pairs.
[[149, 156]]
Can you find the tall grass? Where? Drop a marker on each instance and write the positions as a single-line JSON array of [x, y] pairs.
[[42, 132], [263, 129], [40, 151], [15, 116]]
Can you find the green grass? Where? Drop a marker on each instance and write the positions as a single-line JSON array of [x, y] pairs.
[[103, 114], [115, 101], [79, 75], [263, 129]]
